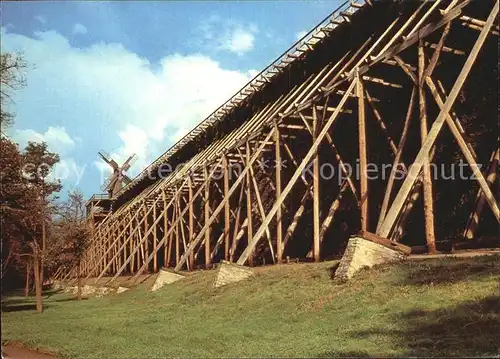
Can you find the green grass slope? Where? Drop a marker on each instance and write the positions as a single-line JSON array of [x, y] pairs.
[[439, 307]]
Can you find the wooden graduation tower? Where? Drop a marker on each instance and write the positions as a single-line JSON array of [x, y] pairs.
[[285, 167]]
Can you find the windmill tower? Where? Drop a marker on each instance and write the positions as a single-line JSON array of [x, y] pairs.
[[118, 178]]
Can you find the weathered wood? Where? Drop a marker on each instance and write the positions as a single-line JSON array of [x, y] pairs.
[[279, 223], [491, 176], [191, 223], [426, 170], [363, 181], [372, 237], [208, 258], [227, 219], [316, 219]]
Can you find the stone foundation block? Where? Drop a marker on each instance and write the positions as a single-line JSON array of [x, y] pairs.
[[361, 253], [121, 290], [231, 273], [165, 277]]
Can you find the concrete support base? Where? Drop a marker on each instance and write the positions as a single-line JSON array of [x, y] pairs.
[[165, 277], [361, 253], [231, 273]]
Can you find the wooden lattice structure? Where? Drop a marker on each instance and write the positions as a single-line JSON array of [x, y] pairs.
[[404, 83]]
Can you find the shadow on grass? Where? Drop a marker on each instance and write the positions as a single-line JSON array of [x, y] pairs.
[[16, 306], [70, 299], [430, 273], [470, 329]]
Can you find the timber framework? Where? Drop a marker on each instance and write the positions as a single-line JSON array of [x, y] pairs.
[[405, 83]]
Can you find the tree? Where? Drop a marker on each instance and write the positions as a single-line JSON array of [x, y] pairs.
[[11, 78], [38, 163], [74, 234], [14, 199]]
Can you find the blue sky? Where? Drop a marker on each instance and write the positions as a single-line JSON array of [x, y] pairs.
[[133, 77]]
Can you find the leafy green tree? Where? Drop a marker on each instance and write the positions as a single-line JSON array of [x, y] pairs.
[[38, 163]]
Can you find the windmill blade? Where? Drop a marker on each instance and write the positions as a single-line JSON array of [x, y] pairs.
[[105, 185], [129, 162], [108, 160]]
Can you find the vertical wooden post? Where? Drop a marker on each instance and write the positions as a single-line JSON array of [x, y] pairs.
[[146, 242], [249, 203], [426, 171], [362, 153], [207, 217], [279, 224], [316, 224], [166, 257], [177, 239], [191, 221], [227, 219], [131, 245], [155, 257]]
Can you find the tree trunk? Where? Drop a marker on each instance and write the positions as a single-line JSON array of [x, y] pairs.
[[79, 276], [38, 281], [42, 254], [28, 274]]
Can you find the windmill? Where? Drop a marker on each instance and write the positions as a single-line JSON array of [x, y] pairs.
[[115, 182]]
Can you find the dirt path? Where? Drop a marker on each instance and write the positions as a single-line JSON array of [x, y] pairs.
[[11, 351]]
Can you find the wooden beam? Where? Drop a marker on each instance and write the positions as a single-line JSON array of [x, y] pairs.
[[491, 176], [427, 180], [208, 258], [363, 180], [190, 219], [316, 209], [227, 218], [372, 237], [279, 223], [397, 160]]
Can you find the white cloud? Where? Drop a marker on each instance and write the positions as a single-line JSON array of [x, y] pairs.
[[300, 34], [56, 138], [42, 19], [239, 41], [78, 29], [60, 142], [229, 35], [115, 100]]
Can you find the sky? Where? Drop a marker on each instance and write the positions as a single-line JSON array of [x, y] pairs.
[[135, 76]]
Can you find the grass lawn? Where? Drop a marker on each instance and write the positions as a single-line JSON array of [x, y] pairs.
[[438, 307]]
